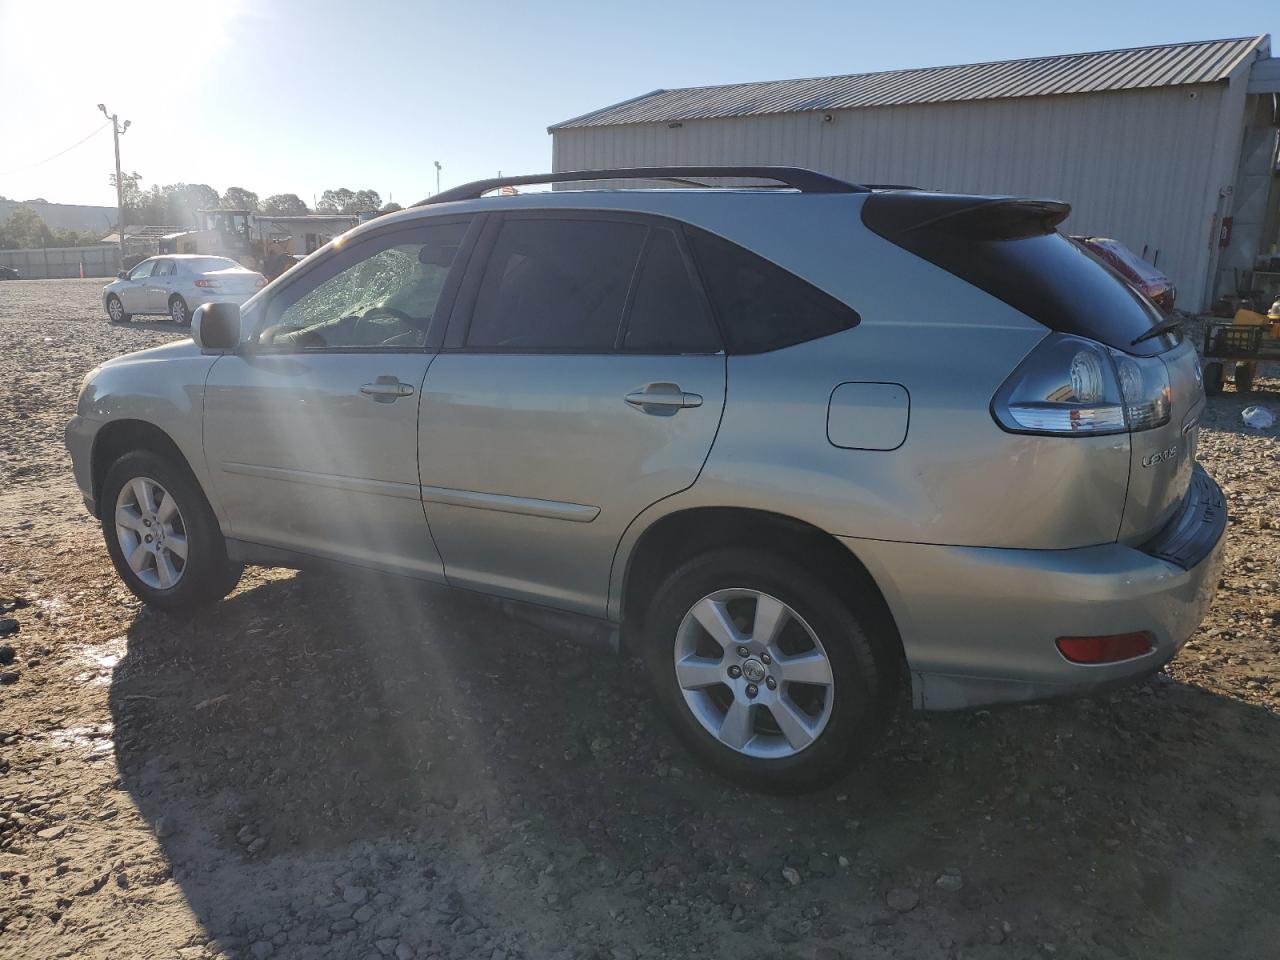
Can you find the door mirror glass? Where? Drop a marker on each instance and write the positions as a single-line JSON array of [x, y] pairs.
[[122, 275], [216, 326]]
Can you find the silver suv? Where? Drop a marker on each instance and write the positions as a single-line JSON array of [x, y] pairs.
[[791, 444]]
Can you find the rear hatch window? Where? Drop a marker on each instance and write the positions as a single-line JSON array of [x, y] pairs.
[[1011, 249]]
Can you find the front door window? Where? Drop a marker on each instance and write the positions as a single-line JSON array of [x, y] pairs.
[[385, 298]]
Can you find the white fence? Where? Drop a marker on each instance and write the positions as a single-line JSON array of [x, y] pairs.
[[99, 260]]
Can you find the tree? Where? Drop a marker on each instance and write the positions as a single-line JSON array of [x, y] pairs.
[[390, 207], [347, 201], [336, 201], [238, 198], [284, 205], [153, 205], [186, 198], [132, 195], [25, 229]]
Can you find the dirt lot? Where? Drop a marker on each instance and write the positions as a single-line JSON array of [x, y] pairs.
[[329, 768]]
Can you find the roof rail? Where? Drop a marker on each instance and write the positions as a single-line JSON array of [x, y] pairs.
[[806, 181]]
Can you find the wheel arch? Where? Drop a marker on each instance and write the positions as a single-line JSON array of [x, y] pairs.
[[675, 537], [119, 437]]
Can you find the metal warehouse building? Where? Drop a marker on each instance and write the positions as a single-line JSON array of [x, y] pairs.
[[1170, 149]]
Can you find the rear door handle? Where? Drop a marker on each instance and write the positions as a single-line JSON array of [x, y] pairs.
[[387, 389], [662, 399]]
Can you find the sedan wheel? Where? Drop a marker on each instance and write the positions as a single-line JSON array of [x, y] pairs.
[[178, 310], [151, 533], [753, 673], [115, 310]]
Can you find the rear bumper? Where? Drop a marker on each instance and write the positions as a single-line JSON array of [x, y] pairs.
[[978, 624]]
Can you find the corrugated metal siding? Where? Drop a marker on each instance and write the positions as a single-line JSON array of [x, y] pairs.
[[1206, 61], [1135, 165]]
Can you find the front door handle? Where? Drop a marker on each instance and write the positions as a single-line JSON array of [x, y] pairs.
[[662, 399], [387, 389]]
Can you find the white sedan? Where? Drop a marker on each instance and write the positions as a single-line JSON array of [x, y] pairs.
[[176, 284]]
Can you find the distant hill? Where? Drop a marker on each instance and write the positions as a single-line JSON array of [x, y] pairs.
[[65, 216]]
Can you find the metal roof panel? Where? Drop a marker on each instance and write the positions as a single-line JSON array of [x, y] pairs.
[[1206, 61]]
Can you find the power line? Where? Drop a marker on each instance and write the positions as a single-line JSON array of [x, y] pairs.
[[27, 166]]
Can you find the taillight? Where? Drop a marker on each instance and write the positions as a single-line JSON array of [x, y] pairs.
[[262, 282], [1144, 381], [206, 283], [1109, 648], [1071, 386]]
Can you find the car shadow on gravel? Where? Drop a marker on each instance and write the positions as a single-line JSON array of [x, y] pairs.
[[306, 716]]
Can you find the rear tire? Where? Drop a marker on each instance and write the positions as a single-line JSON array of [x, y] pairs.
[[156, 572], [179, 312], [1212, 379], [115, 310], [842, 706], [1244, 377]]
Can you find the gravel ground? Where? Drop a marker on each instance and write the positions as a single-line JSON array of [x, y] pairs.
[[357, 768]]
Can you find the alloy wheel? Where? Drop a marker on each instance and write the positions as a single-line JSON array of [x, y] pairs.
[[151, 533], [115, 309], [754, 673], [178, 311]]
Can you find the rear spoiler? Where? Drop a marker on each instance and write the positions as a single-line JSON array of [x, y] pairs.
[[896, 215]]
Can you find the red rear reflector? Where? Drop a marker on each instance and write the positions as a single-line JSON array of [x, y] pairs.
[[1107, 649]]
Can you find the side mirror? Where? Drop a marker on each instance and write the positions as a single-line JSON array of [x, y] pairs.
[[122, 275], [216, 326]]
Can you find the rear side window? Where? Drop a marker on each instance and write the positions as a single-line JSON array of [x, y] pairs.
[[556, 285], [668, 313], [760, 305]]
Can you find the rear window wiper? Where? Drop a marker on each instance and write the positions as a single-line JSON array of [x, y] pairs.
[[1159, 330]]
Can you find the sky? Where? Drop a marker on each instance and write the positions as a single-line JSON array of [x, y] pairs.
[[296, 97]]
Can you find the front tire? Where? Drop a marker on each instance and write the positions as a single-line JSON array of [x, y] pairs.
[[162, 534], [115, 310], [767, 675], [179, 313]]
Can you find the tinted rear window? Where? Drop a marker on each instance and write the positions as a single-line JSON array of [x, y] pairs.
[[760, 305], [1011, 250]]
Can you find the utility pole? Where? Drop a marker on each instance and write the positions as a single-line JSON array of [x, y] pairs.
[[118, 130], [437, 176]]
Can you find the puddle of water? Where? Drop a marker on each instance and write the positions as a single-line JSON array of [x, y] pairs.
[[100, 659], [95, 739]]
